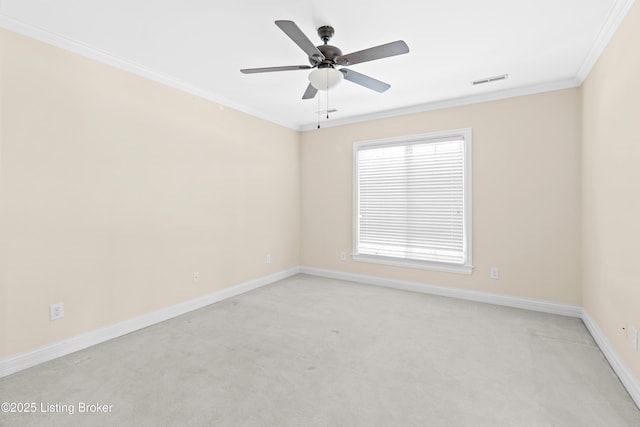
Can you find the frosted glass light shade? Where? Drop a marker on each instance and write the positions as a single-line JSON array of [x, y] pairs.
[[325, 78]]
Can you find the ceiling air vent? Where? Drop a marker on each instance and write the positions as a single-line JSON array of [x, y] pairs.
[[490, 79]]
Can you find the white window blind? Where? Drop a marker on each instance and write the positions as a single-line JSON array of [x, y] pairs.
[[411, 199]]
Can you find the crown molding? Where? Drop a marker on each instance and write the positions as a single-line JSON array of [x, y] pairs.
[[616, 15], [105, 57], [449, 103], [615, 18]]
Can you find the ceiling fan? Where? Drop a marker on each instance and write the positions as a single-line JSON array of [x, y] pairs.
[[325, 58]]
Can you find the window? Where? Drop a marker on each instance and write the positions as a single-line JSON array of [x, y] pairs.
[[412, 201]]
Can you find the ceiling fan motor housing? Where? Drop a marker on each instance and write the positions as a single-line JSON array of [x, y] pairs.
[[330, 53]]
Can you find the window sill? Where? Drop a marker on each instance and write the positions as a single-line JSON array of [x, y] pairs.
[[424, 265]]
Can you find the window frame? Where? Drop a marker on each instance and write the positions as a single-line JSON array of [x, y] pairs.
[[467, 266]]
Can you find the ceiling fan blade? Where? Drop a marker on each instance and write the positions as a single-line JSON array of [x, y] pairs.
[[366, 81], [310, 92], [378, 52], [295, 34], [271, 69]]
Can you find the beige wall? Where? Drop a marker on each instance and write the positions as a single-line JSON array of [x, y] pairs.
[[526, 195], [115, 190], [611, 182]]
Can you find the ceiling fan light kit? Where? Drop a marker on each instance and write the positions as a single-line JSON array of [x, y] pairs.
[[325, 58], [325, 78]]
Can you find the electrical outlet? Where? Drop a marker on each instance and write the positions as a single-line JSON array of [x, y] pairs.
[[268, 259], [56, 311], [494, 273], [634, 338], [196, 276], [343, 256]]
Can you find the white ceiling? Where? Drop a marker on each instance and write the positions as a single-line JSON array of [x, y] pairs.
[[200, 46]]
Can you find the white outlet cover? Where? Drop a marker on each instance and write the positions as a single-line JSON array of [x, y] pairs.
[[56, 311], [634, 338]]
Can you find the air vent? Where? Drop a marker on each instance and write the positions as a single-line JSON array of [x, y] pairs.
[[490, 79]]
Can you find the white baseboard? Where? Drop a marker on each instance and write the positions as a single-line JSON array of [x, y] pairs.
[[53, 351], [496, 299], [630, 382], [43, 354]]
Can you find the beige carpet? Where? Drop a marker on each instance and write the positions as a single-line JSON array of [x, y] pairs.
[[316, 352]]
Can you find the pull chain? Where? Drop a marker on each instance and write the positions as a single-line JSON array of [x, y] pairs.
[[327, 96], [327, 104], [319, 95], [318, 111]]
